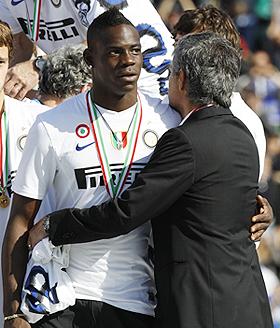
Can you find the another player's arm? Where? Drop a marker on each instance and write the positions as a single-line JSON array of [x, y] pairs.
[[14, 256]]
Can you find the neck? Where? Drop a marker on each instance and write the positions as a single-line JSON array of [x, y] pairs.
[[186, 108], [117, 103], [50, 101], [192, 108]]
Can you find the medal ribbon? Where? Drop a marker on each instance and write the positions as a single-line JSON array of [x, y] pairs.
[[33, 29], [4, 160], [113, 190]]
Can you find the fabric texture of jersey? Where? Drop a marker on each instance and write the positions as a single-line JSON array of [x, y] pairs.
[[63, 152], [254, 124], [66, 22], [20, 117]]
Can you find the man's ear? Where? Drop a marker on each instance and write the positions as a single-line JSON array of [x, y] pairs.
[[182, 80], [87, 57], [86, 87]]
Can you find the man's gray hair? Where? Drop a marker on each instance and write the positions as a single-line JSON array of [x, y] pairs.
[[211, 65], [65, 72]]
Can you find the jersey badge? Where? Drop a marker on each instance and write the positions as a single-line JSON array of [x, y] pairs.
[[56, 3], [21, 142], [82, 130], [83, 7], [150, 138]]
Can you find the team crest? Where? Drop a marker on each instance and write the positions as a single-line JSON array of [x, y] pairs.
[[83, 7], [82, 130], [150, 138], [119, 140], [108, 4], [56, 3], [21, 142]]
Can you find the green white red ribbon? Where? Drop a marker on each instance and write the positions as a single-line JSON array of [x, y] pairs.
[[4, 158], [33, 28], [114, 189]]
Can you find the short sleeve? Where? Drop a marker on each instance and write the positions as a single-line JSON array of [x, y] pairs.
[[38, 165]]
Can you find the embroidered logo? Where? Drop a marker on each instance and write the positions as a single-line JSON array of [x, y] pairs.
[[56, 3], [21, 142], [82, 130], [150, 138], [16, 2], [79, 148]]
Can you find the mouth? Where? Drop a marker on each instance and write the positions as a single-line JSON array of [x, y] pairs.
[[129, 77]]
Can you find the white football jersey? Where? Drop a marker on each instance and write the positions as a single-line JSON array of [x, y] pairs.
[[19, 117], [61, 150]]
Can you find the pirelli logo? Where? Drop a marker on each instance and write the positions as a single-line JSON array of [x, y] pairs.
[[92, 177], [11, 177], [53, 31]]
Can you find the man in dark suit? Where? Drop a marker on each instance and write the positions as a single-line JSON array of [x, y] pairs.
[[199, 188]]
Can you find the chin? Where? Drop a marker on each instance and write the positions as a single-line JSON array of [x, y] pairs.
[[128, 87]]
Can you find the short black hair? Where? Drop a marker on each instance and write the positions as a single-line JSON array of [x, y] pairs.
[[109, 18]]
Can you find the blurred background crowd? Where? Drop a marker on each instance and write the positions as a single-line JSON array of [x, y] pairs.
[[258, 22]]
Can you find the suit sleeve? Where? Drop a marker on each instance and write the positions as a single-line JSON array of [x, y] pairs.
[[168, 174]]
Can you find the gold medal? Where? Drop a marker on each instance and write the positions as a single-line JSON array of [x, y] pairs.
[[4, 201]]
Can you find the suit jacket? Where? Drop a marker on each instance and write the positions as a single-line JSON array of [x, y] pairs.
[[199, 188]]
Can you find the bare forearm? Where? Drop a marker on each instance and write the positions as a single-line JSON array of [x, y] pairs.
[[14, 259], [15, 252]]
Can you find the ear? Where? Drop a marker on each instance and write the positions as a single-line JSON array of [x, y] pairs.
[[86, 87], [182, 79], [88, 57]]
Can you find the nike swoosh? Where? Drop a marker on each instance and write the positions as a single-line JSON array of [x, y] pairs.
[[16, 2], [79, 148]]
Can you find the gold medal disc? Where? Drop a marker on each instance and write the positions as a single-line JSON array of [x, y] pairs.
[[4, 201]]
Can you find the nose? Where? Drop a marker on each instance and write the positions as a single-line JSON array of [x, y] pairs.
[[127, 58]]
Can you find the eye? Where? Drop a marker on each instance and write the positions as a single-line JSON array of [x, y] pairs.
[[114, 52], [136, 51]]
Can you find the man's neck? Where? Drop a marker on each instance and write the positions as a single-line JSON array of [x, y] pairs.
[[49, 101], [117, 103], [186, 108]]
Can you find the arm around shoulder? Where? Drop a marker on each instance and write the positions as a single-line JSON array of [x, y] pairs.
[[164, 179]]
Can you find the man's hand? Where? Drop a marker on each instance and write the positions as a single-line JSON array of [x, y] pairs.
[[36, 233], [262, 220], [17, 323], [20, 79]]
